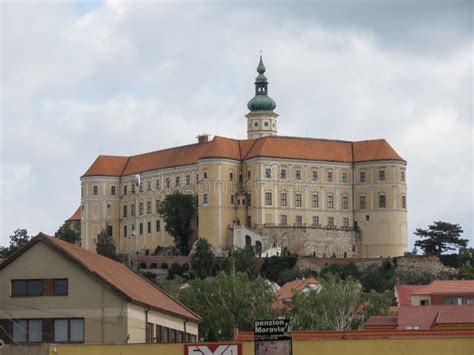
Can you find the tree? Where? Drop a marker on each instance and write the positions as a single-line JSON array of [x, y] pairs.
[[69, 234], [275, 265], [227, 302], [105, 245], [379, 278], [440, 237], [343, 271], [243, 260], [18, 239], [202, 259], [178, 210]]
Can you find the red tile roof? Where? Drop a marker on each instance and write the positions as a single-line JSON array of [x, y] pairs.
[[126, 282], [221, 147], [446, 286], [76, 216], [426, 317], [381, 321], [286, 291], [404, 293]]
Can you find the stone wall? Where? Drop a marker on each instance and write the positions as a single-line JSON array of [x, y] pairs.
[[411, 266], [309, 241]]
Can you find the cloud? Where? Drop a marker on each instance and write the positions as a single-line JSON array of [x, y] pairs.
[[129, 77]]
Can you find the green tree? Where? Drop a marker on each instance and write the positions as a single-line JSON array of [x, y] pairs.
[[18, 239], [71, 234], [343, 271], [466, 272], [105, 245], [379, 278], [202, 260], [227, 302], [242, 260], [274, 266], [178, 210], [440, 237], [178, 270]]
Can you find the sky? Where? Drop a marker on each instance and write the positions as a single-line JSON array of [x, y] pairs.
[[79, 79]]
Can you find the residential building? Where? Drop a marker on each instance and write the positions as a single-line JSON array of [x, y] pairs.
[[438, 292], [355, 187], [53, 291], [286, 292]]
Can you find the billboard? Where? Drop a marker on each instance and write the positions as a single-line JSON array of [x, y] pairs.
[[273, 337], [213, 349]]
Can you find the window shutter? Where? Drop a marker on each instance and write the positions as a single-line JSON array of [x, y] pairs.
[[48, 287], [6, 330], [48, 335]]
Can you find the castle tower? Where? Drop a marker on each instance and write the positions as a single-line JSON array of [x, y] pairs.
[[261, 120]]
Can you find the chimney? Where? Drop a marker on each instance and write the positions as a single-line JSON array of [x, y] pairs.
[[203, 138]]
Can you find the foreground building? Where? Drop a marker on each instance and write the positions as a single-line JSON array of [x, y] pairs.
[[314, 196], [438, 292], [55, 292]]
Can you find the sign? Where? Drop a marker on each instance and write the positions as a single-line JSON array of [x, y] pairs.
[[273, 337], [213, 349]]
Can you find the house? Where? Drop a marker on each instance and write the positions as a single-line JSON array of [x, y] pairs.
[[438, 292], [53, 291], [285, 293], [426, 318]]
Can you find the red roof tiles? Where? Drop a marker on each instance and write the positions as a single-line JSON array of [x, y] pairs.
[[221, 147], [381, 321], [446, 286], [115, 274], [404, 293], [286, 291], [76, 216]]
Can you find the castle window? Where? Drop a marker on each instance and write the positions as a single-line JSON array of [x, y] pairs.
[[132, 210], [248, 174], [362, 202], [268, 173], [265, 124], [299, 221], [382, 201], [345, 222], [82, 191], [110, 231], [158, 225], [125, 211], [283, 201], [298, 174], [315, 220], [125, 231], [283, 174], [367, 217], [331, 222], [141, 228], [344, 177], [345, 202], [268, 198], [314, 174], [112, 190], [232, 199], [158, 184], [249, 200], [95, 190], [330, 201], [205, 175], [255, 123], [231, 176], [315, 201], [298, 200], [238, 201], [148, 226], [188, 179], [133, 188], [148, 185], [148, 207], [402, 175], [362, 176], [125, 189], [205, 198], [381, 175], [243, 202], [178, 181], [329, 175], [404, 201], [283, 219], [157, 206], [140, 208], [141, 186], [168, 183]]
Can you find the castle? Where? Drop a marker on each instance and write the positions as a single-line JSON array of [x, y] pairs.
[[314, 196]]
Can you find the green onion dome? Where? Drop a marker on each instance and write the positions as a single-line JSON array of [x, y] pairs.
[[261, 101]]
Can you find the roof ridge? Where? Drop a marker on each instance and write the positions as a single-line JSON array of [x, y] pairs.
[[177, 147]]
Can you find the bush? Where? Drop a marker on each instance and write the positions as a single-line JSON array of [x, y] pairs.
[[275, 265], [342, 271], [178, 270], [378, 278]]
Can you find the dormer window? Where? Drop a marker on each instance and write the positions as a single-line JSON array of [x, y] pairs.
[[265, 124], [255, 124]]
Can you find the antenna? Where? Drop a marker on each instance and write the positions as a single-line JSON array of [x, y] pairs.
[[132, 245]]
